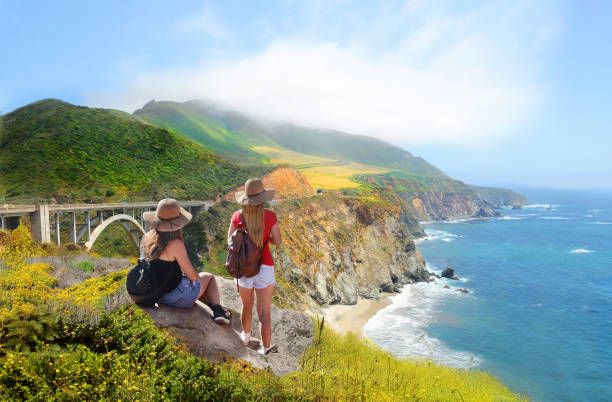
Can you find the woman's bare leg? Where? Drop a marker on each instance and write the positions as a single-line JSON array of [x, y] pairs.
[[247, 307], [209, 292], [264, 305]]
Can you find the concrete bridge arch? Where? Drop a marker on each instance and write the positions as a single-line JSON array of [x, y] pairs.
[[115, 218]]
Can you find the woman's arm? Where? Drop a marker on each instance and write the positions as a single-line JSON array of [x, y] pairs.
[[176, 248], [275, 236], [230, 230]]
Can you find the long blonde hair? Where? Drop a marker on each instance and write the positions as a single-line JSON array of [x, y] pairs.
[[254, 221], [155, 242]]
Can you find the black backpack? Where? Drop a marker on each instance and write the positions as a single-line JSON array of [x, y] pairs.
[[142, 286]]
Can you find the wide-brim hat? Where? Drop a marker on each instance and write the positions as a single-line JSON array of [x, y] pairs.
[[168, 217], [254, 193]]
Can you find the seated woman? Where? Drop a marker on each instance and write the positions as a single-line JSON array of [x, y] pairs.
[[164, 248], [262, 227]]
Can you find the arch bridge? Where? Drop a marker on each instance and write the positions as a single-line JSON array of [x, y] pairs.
[[87, 221]]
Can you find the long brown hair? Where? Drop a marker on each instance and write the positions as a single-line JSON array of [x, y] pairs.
[[254, 221], [155, 242]]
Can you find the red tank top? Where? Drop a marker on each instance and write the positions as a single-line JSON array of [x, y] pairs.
[[269, 221]]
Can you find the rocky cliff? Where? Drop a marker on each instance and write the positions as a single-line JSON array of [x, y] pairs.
[[336, 249], [500, 197], [436, 199], [443, 206]]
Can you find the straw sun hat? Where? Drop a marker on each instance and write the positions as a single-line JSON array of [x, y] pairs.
[[168, 217], [254, 193]]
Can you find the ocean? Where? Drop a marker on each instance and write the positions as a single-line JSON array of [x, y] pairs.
[[538, 314]]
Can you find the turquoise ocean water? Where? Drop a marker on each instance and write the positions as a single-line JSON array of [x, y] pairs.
[[539, 311]]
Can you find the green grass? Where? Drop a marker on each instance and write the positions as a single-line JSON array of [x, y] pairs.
[[54, 151], [85, 265], [350, 368]]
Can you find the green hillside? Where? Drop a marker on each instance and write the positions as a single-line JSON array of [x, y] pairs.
[[348, 147], [238, 137], [197, 122], [52, 150]]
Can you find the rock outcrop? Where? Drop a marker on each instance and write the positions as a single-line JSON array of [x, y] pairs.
[[288, 183], [449, 273], [194, 327]]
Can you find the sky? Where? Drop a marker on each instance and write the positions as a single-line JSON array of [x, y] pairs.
[[493, 93]]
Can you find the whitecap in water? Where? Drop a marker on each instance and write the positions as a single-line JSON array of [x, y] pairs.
[[581, 251]]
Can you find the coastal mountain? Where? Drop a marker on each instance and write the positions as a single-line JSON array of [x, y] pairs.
[[54, 151], [217, 128]]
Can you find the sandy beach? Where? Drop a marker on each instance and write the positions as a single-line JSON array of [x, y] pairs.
[[343, 318]]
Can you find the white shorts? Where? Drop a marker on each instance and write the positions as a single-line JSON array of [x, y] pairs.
[[263, 279]]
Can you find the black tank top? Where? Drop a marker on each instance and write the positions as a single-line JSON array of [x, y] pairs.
[[161, 269]]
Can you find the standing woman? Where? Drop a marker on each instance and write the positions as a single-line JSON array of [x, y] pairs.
[[262, 227], [165, 250]]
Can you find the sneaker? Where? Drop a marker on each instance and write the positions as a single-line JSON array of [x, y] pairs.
[[219, 314], [246, 338], [264, 351]]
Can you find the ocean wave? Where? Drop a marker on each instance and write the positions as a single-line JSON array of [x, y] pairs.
[[433, 234], [581, 251], [401, 326], [556, 218], [600, 223], [511, 218], [461, 220], [542, 206]]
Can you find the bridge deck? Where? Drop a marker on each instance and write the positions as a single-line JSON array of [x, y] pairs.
[[21, 210]]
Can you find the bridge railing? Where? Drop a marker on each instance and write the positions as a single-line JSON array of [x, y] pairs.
[[93, 214]]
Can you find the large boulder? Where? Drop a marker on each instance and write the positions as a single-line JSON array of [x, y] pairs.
[[449, 273], [292, 331]]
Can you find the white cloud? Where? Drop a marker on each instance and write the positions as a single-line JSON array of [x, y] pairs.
[[451, 80]]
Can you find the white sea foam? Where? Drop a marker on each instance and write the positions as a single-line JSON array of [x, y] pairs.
[[556, 218], [401, 327], [511, 218], [600, 223], [581, 251], [461, 220], [433, 234]]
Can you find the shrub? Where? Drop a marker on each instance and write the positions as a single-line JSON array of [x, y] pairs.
[[84, 265]]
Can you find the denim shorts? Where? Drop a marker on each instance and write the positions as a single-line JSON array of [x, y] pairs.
[[263, 279], [184, 295]]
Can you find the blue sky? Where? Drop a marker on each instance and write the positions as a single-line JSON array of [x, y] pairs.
[[497, 92]]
